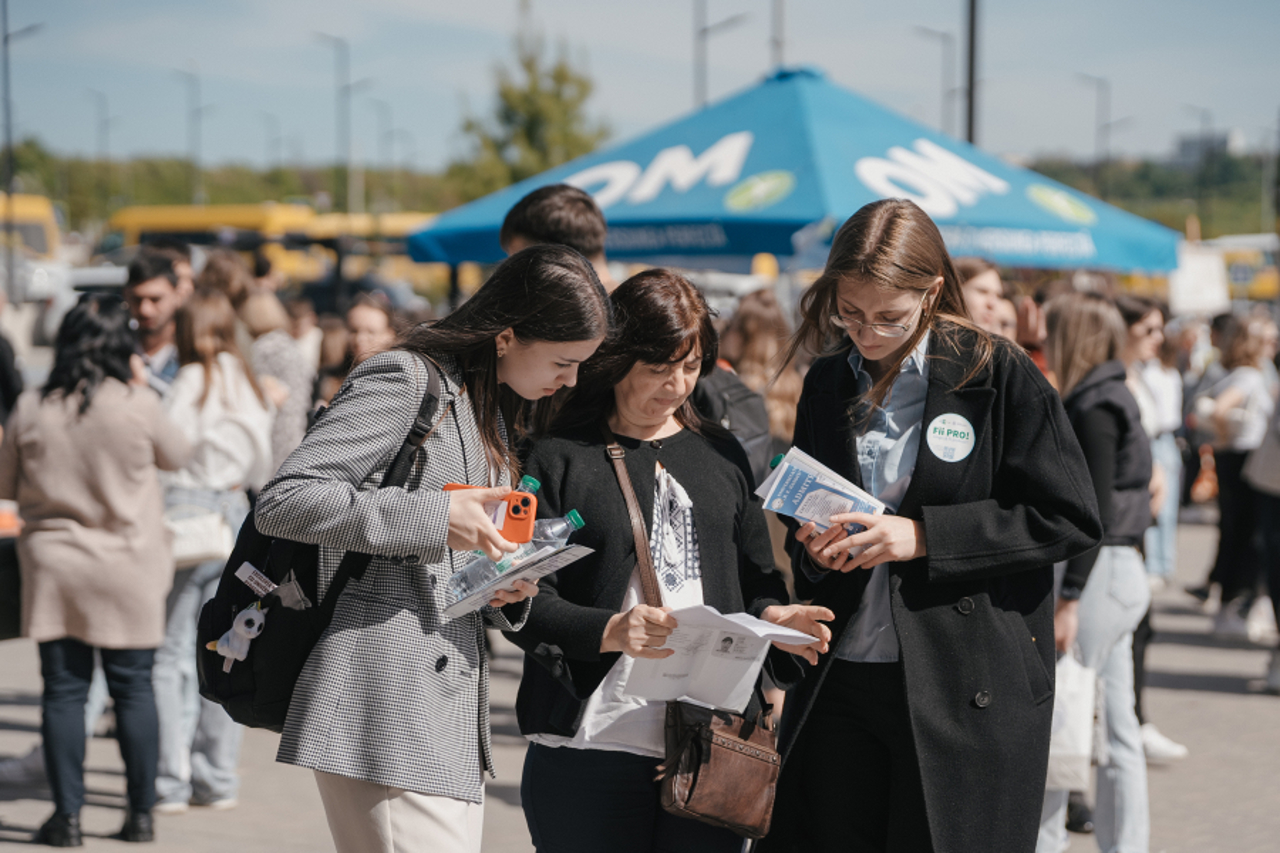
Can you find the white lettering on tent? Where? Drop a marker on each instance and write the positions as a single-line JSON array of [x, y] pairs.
[[941, 180], [719, 165], [617, 177]]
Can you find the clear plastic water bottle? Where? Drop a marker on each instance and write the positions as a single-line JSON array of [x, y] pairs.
[[547, 533]]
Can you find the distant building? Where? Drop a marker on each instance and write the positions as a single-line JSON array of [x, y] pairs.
[[1190, 149]]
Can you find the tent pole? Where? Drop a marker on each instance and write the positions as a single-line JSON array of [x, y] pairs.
[[971, 129]]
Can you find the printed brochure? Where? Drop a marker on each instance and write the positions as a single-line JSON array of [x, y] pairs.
[[803, 488]]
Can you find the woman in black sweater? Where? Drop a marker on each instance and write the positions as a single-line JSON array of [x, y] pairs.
[[589, 777], [1104, 591]]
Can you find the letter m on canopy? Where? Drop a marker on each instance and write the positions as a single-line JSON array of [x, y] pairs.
[[718, 165]]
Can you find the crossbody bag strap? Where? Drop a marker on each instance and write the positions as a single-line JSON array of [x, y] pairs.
[[354, 563], [644, 558]]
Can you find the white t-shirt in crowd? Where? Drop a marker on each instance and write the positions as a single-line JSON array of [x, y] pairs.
[[1165, 385], [613, 721]]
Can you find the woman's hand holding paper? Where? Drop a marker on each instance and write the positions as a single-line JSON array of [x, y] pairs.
[[807, 619], [639, 632], [886, 539], [522, 590]]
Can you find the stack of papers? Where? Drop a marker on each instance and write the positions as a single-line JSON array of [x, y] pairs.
[[717, 659], [803, 488]]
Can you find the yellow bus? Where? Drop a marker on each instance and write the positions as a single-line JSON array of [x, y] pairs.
[[35, 225], [215, 223], [378, 246]]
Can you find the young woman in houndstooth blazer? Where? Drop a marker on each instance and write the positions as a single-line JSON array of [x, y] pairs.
[[391, 711]]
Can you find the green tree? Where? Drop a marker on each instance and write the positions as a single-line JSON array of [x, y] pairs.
[[539, 121]]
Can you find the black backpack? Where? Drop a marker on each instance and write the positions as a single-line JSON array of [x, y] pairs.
[[256, 691], [724, 398]]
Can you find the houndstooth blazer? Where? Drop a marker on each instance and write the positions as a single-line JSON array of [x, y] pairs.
[[393, 693]]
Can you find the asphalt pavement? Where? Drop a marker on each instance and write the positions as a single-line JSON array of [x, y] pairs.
[[1203, 692]]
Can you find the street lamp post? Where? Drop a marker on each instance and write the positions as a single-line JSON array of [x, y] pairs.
[[971, 77], [104, 122], [1206, 158], [948, 70], [342, 118], [271, 123], [195, 114], [385, 141], [702, 31], [1102, 127], [10, 284], [778, 39]]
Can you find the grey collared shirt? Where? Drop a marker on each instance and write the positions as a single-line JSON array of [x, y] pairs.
[[887, 450]]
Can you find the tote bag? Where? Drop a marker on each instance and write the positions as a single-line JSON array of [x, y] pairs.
[[1071, 742]]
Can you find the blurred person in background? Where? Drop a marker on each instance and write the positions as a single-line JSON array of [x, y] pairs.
[[223, 413], [983, 290], [563, 215], [10, 377], [153, 294], [304, 326], [335, 359], [1159, 399], [752, 342], [1235, 410], [371, 327], [81, 457], [1006, 323], [1262, 472], [179, 253], [265, 275], [1104, 592], [225, 270], [282, 371]]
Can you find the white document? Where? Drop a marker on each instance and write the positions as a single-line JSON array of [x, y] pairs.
[[716, 662]]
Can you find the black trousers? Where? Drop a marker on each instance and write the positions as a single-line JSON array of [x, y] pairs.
[[1238, 566], [592, 801], [67, 668], [854, 785]]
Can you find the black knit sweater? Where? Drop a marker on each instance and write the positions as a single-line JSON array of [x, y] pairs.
[[568, 617]]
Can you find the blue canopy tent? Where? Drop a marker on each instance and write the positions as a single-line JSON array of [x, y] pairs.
[[795, 152]]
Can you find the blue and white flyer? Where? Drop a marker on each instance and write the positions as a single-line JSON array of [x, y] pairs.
[[808, 491]]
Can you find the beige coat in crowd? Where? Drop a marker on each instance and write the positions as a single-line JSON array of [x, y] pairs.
[[94, 551]]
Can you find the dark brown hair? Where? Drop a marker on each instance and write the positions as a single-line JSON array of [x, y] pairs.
[[970, 267], [892, 245], [1134, 308], [1244, 345], [557, 214], [206, 327], [543, 293], [226, 271], [660, 318], [752, 341]]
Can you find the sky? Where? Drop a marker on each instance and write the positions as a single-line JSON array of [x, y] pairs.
[[261, 65]]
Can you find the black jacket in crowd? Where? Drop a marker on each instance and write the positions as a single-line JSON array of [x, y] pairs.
[[1105, 416], [563, 665], [974, 617]]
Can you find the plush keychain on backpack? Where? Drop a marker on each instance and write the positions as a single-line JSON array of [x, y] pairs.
[[234, 645]]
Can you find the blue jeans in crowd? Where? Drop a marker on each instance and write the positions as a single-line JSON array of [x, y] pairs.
[[199, 743], [1113, 603], [1161, 542], [67, 667]]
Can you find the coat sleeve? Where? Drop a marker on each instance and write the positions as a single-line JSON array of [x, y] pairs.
[[806, 575], [171, 447], [1042, 509], [316, 497]]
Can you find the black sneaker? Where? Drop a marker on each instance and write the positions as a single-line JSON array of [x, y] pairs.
[[1079, 815], [61, 830], [137, 828]]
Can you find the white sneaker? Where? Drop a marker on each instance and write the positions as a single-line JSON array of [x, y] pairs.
[[1261, 621], [1158, 748], [1228, 624], [1273, 673], [25, 770], [170, 807], [1157, 583]]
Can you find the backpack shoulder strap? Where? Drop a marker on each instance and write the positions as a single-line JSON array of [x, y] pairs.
[[354, 563]]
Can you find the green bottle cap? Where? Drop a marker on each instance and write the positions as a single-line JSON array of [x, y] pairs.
[[773, 463], [575, 520], [529, 485]]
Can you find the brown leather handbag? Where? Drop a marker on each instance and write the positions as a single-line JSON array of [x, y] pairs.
[[721, 768]]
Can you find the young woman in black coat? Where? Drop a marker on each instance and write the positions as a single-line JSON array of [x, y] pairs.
[[590, 772], [926, 725]]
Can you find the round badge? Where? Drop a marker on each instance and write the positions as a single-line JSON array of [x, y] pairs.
[[950, 437]]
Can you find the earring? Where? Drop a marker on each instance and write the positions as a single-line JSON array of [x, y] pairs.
[[501, 353]]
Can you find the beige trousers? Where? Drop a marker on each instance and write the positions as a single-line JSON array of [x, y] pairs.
[[365, 817]]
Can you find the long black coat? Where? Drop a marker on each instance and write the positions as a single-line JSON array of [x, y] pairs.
[[974, 617]]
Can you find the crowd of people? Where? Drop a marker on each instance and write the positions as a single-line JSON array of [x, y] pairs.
[[199, 395]]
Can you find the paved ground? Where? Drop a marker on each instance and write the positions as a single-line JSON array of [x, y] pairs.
[[1225, 798]]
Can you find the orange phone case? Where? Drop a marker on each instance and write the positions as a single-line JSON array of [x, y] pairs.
[[518, 518]]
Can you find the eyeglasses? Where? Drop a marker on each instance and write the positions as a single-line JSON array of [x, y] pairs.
[[884, 330]]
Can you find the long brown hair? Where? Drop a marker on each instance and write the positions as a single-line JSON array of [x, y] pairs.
[[542, 293], [206, 327], [661, 318], [752, 342], [893, 245], [1085, 330]]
